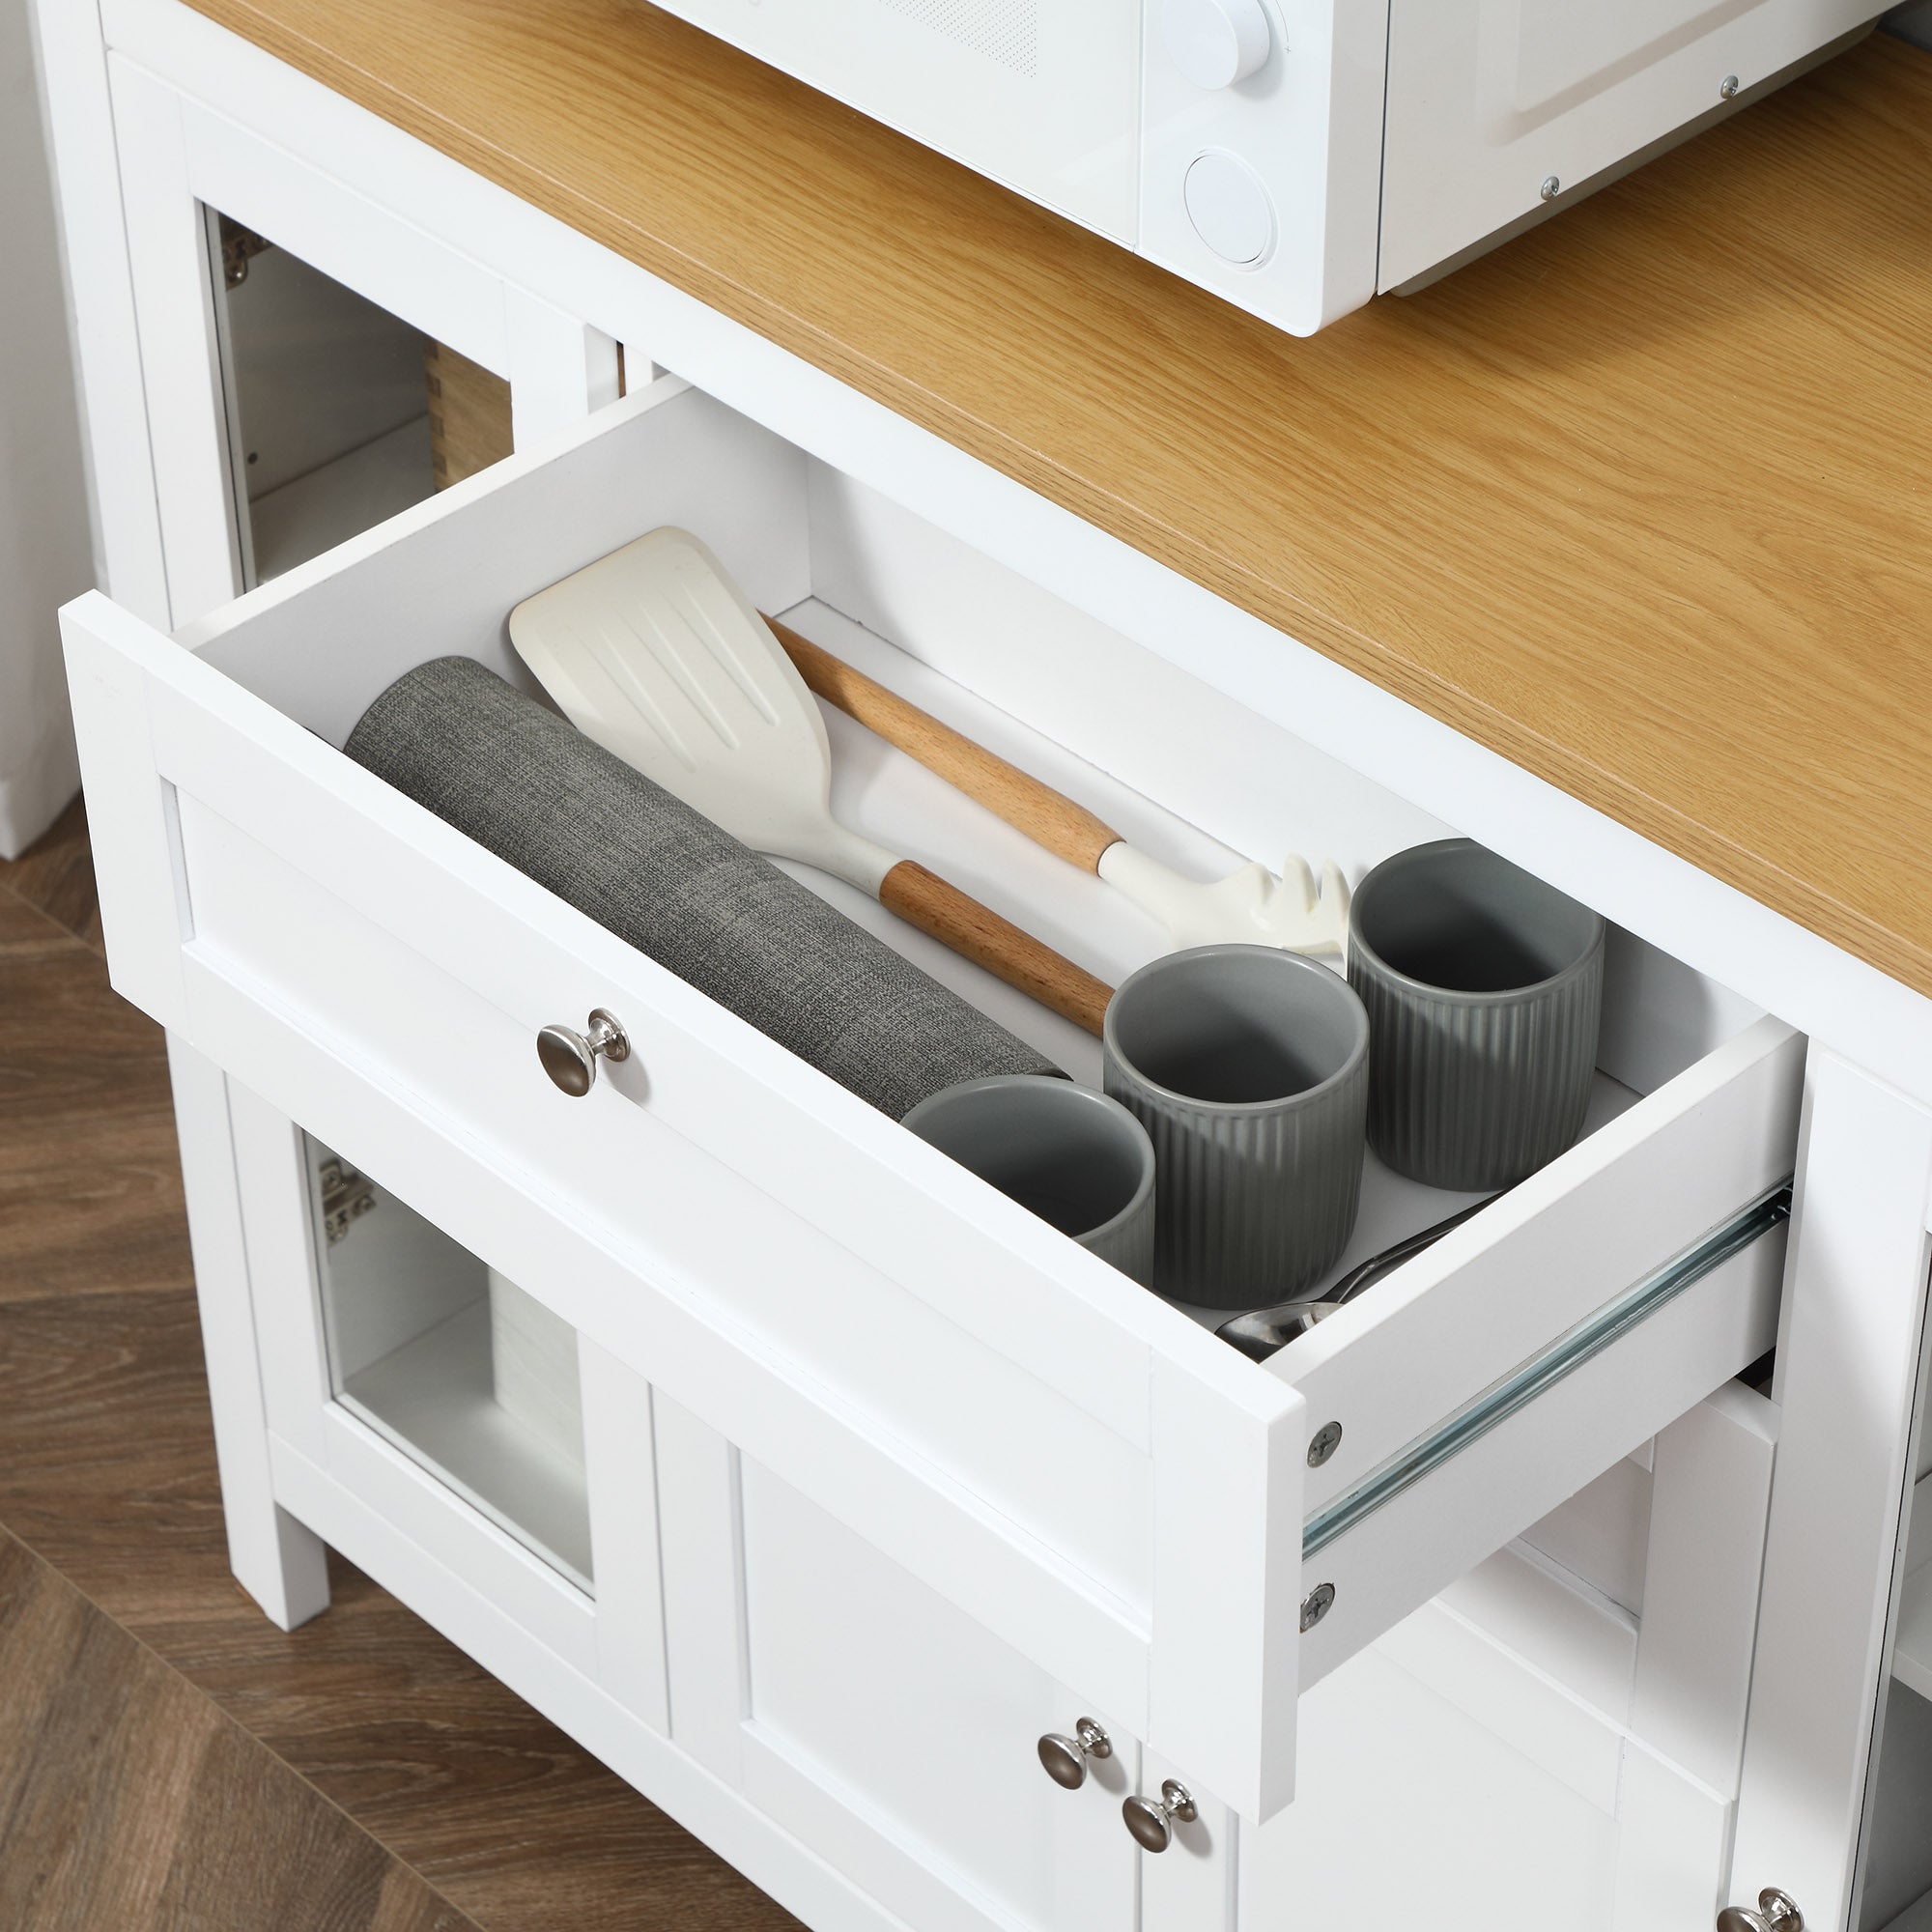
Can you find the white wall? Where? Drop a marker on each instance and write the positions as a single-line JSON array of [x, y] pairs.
[[45, 551]]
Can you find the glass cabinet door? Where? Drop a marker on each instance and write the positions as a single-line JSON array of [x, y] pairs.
[[340, 414], [451, 1362], [329, 398]]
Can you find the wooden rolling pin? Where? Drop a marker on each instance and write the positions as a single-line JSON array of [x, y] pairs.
[[1047, 817]]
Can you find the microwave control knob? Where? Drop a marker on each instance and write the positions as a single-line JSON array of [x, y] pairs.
[[1215, 42]]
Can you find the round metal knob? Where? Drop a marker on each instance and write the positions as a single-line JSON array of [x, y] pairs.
[[570, 1058], [1776, 1913], [1065, 1758], [1149, 1823]]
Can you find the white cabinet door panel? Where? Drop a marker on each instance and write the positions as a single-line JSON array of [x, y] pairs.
[[1461, 1789], [872, 1718]]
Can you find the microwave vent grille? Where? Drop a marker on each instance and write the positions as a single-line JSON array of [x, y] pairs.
[[1006, 31]]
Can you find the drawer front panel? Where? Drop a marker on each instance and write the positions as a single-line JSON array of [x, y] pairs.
[[1428, 1534], [1551, 1252]]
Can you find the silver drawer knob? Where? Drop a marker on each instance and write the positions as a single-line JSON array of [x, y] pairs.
[[1148, 1822], [570, 1058], [1776, 1913], [1065, 1758]]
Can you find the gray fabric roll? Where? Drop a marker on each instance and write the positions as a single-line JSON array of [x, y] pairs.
[[532, 789]]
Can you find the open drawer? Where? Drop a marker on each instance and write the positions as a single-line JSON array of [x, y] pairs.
[[1172, 1531]]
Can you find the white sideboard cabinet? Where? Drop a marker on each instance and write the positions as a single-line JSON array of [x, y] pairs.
[[806, 1481]]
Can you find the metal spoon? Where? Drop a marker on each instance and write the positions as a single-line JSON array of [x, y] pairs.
[[1260, 1332]]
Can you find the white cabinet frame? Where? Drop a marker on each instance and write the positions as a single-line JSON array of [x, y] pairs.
[[182, 114], [1849, 1389]]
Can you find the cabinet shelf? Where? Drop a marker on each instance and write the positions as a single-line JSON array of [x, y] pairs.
[[328, 505]]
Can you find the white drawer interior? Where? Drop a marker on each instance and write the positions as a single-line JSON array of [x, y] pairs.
[[1176, 767]]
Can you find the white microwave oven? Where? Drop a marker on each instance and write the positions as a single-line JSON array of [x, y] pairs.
[[1295, 157]]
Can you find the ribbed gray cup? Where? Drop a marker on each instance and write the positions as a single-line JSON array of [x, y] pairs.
[[1071, 1156], [1248, 1067], [1485, 993]]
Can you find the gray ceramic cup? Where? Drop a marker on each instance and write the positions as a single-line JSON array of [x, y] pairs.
[[1485, 992], [1071, 1156], [1249, 1069]]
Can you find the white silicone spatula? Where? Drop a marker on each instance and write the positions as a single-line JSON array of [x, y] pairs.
[[655, 653]]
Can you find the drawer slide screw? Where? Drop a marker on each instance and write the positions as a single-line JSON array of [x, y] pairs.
[[1323, 1443], [1317, 1604]]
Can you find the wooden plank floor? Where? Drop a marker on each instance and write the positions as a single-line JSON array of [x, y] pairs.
[[129, 1800], [168, 1758]]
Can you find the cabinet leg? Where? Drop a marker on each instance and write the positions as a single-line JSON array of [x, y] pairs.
[[285, 1569], [279, 1562]]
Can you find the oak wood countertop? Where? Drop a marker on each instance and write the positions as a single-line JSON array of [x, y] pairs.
[[1642, 500]]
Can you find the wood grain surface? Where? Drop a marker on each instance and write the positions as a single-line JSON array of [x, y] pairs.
[[1642, 500], [468, 414], [90, 1186], [128, 1801], [56, 874], [480, 1811]]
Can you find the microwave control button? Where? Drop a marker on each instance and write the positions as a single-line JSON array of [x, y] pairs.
[[1230, 207], [1215, 42]]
